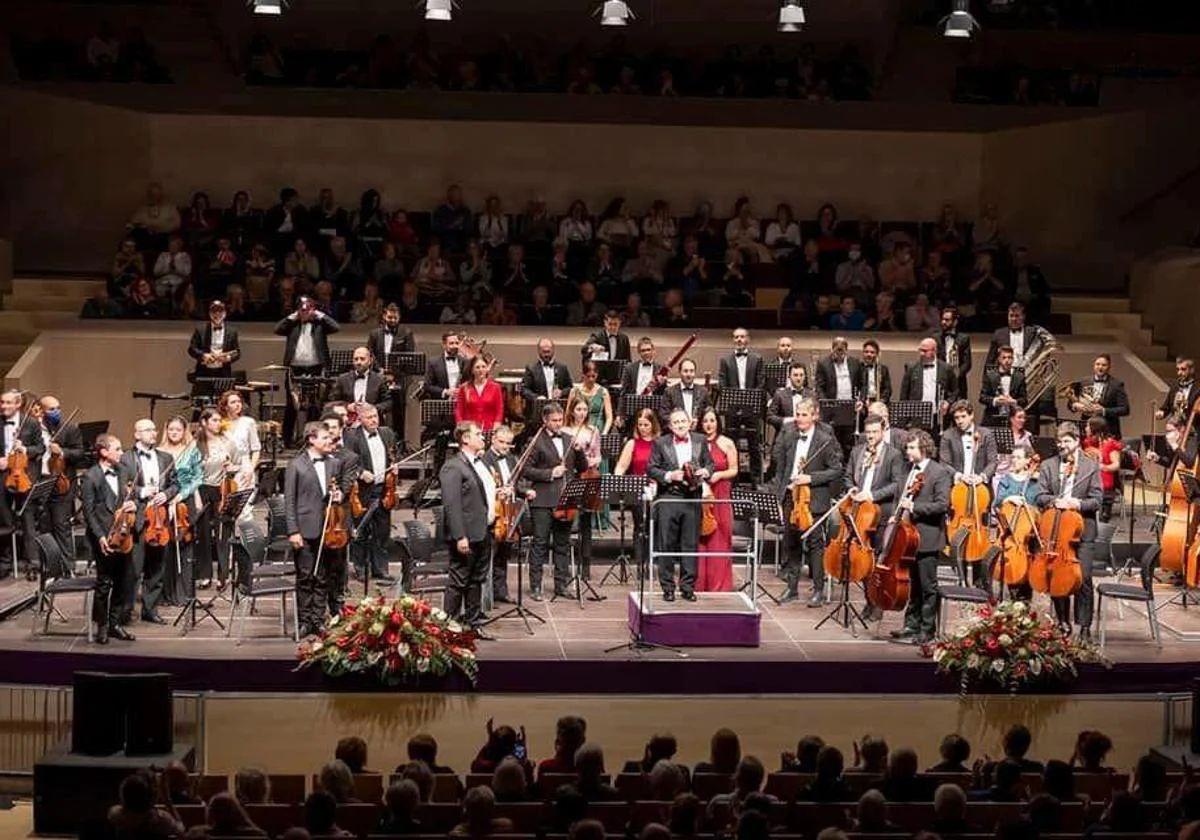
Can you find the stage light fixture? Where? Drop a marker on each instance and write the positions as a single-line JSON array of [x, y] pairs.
[[791, 16], [267, 7], [615, 13], [439, 9], [960, 23]]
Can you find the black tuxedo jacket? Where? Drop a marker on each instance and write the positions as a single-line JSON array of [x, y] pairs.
[[886, 478], [951, 452], [883, 382], [70, 439], [98, 501], [1001, 338], [438, 380], [323, 327], [1086, 488], [542, 460], [629, 379], [201, 343], [402, 342], [29, 432], [354, 441], [930, 505], [465, 508], [533, 385], [826, 378], [962, 344], [664, 460], [1113, 400], [910, 386], [131, 463], [1189, 396], [493, 461], [824, 465], [779, 409], [673, 401], [377, 394], [727, 373], [991, 390], [303, 501], [601, 338]]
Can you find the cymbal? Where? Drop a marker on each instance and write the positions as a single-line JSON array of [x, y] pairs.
[[272, 367], [253, 385]]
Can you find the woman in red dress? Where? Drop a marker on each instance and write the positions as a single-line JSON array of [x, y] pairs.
[[715, 574], [1100, 444], [482, 399], [633, 460]]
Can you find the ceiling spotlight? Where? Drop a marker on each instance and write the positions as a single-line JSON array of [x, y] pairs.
[[791, 16], [615, 13], [439, 9], [267, 7], [960, 23]]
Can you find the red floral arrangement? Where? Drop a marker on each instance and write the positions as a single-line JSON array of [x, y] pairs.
[[1011, 645], [396, 640]]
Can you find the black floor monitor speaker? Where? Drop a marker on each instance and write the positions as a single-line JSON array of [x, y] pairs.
[[130, 713]]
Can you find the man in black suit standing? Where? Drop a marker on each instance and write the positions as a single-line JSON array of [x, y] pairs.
[[781, 410], [372, 445], [545, 379], [67, 442], [552, 461], [743, 370], [805, 455], [1102, 396], [215, 346], [928, 508], [1025, 341], [362, 384], [503, 462], [954, 348], [101, 492], [156, 484], [469, 496], [1183, 393], [931, 381], [679, 463], [310, 483], [306, 353], [21, 433], [642, 376], [390, 337], [969, 451], [685, 395], [444, 372], [874, 381], [1003, 390], [875, 468], [836, 377], [608, 343]]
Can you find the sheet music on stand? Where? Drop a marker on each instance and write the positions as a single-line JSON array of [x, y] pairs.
[[1004, 439], [405, 364], [775, 376], [611, 445], [623, 489], [741, 403], [910, 414], [208, 389], [610, 371], [632, 404], [340, 361], [837, 412]]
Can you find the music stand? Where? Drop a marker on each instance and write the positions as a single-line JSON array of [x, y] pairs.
[[775, 376], [89, 431], [1004, 439], [911, 414], [762, 509], [340, 361], [575, 491], [838, 412], [156, 398], [621, 490], [207, 389], [610, 371], [741, 410], [632, 404], [844, 612], [1191, 491], [437, 414]]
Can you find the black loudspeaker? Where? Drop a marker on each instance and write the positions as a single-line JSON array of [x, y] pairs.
[[122, 712], [1195, 715]]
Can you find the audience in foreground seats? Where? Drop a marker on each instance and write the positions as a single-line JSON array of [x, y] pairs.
[[401, 801]]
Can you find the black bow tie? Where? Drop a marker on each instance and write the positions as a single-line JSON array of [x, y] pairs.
[[452, 358], [361, 375], [803, 438], [686, 390], [647, 364], [372, 434], [319, 459], [1101, 380], [740, 353], [10, 422], [142, 453], [927, 367]]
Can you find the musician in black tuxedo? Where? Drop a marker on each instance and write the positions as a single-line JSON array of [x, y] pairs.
[[892, 436], [1003, 389], [874, 380], [685, 395], [954, 348], [501, 460], [608, 343], [968, 449], [1102, 396], [552, 461], [1183, 393], [931, 381], [679, 524], [928, 508], [743, 370], [469, 510], [446, 371], [1018, 335], [60, 507], [1071, 481], [875, 468], [835, 379], [642, 376], [21, 432], [547, 378], [310, 481], [372, 446], [101, 491], [390, 337], [781, 410], [363, 384], [805, 454], [156, 484], [215, 346], [305, 353]]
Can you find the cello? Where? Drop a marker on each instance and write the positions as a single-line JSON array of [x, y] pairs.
[[1178, 526], [888, 584], [1055, 568], [969, 504], [1016, 526], [849, 555], [508, 511]]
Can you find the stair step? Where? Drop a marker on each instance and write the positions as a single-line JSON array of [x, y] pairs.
[[54, 287], [1080, 303], [1165, 369], [1104, 321], [28, 303]]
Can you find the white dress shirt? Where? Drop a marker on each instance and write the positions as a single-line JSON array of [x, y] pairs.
[[683, 451], [218, 339], [645, 373], [1016, 340], [740, 363], [378, 456], [688, 396], [868, 475], [147, 462], [929, 384], [453, 372], [360, 387], [388, 340], [306, 347], [845, 388], [968, 445], [548, 374], [489, 485], [872, 384], [110, 478], [1066, 482], [803, 443], [11, 426], [320, 463]]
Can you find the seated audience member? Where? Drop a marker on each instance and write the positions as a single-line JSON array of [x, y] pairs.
[[475, 273], [1058, 780], [829, 785], [433, 275], [920, 316], [885, 317], [659, 748], [336, 779], [901, 782], [570, 734], [871, 815], [173, 268], [141, 302], [369, 310], [177, 786], [586, 830], [673, 313], [589, 764], [1006, 784], [804, 759], [156, 219], [260, 275], [687, 812], [848, 318], [871, 755], [1124, 815], [401, 801], [497, 313], [954, 750], [302, 265], [252, 786], [419, 772], [724, 753], [462, 311], [666, 781], [320, 815], [949, 811], [502, 743], [510, 781], [100, 305], [128, 265], [352, 751], [225, 817], [747, 780], [1045, 812], [753, 825], [586, 311], [1016, 743], [1150, 780], [1091, 748], [566, 808], [136, 817]]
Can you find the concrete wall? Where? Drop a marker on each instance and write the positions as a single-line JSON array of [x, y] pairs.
[[1163, 287]]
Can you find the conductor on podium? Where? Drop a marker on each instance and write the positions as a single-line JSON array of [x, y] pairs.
[[679, 462]]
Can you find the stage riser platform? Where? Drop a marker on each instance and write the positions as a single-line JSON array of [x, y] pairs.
[[715, 619]]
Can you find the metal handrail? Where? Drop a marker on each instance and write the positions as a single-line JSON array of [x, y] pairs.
[[750, 555]]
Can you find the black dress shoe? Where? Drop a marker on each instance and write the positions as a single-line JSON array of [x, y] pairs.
[[561, 593], [387, 580], [1085, 634], [482, 636], [668, 596], [125, 618], [922, 639], [689, 596], [788, 596], [817, 599], [119, 632], [536, 594], [903, 634], [502, 599], [153, 618], [102, 634]]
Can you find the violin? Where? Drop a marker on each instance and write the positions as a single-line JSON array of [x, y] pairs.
[[183, 524], [228, 487], [1055, 568], [17, 480], [592, 501], [156, 530], [889, 582], [708, 519], [336, 533], [120, 535], [801, 517], [357, 508], [57, 465], [849, 555]]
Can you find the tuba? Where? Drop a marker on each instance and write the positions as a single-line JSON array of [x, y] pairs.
[[1041, 366]]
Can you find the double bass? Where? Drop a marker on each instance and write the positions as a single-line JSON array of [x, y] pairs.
[[508, 511], [889, 582], [969, 504], [1175, 535], [1055, 568]]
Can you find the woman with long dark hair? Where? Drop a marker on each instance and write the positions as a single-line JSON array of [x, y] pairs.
[[218, 456]]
